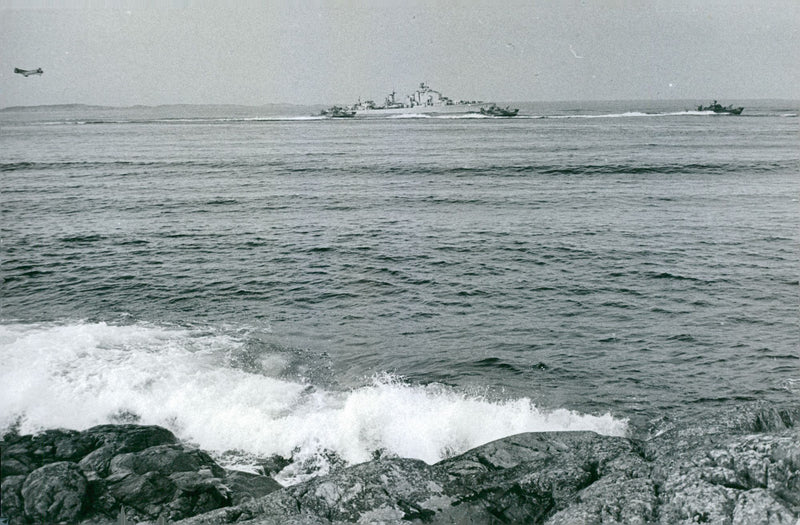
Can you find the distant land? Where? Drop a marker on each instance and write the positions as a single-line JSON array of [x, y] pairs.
[[279, 105], [50, 107]]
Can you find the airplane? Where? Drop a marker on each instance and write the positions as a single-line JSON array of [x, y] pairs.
[[28, 72]]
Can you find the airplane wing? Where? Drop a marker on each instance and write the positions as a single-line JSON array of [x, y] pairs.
[[28, 72]]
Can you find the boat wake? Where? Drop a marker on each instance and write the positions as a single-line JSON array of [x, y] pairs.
[[408, 115], [458, 116], [627, 114], [394, 116]]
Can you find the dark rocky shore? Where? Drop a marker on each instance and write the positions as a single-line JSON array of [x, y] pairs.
[[741, 468]]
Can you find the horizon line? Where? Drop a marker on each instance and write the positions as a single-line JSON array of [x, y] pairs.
[[311, 104]]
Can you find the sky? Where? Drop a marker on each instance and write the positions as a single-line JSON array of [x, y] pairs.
[[123, 53]]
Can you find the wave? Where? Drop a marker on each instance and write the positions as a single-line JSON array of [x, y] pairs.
[[459, 116], [627, 114], [209, 120], [281, 119], [611, 168], [192, 382], [183, 120], [467, 116], [507, 170], [409, 115], [131, 164], [445, 116]]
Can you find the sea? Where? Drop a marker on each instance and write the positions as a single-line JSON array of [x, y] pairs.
[[264, 280]]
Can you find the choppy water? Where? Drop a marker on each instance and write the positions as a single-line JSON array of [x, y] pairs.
[[276, 282]]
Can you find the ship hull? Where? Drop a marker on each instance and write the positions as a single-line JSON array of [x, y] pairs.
[[453, 109]]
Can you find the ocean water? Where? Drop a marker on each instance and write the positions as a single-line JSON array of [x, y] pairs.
[[264, 281]]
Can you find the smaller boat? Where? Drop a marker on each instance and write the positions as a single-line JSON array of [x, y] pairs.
[[496, 111], [338, 112], [719, 108]]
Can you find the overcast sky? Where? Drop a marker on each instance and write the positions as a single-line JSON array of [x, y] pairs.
[[138, 52]]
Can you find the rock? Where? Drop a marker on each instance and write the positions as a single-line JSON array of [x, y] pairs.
[[61, 475], [529, 477], [738, 468], [717, 472], [759, 507], [612, 499], [55, 493], [166, 480], [760, 418], [112, 440], [273, 464], [245, 486], [384, 490], [165, 459], [171, 480], [520, 479], [15, 466], [11, 503], [93, 448], [197, 492], [140, 491], [24, 454], [755, 477]]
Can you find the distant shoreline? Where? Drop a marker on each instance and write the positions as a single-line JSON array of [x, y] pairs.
[[157, 106], [286, 105]]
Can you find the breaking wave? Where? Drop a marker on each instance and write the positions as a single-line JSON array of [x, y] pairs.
[[79, 375]]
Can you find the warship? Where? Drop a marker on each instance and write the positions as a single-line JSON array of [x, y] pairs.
[[424, 100]]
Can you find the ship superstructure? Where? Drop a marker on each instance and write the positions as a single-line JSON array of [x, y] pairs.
[[423, 101]]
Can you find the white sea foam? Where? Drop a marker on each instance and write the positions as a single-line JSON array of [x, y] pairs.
[[409, 115], [253, 119], [464, 116], [79, 375], [307, 117], [629, 114], [444, 116]]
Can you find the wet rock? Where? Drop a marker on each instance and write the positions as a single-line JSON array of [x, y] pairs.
[[15, 466], [714, 472], [165, 459], [11, 503], [24, 454], [165, 480], [197, 492], [742, 467], [93, 448], [384, 490], [171, 480], [55, 493], [140, 491], [529, 477], [521, 479], [112, 440], [65, 476], [245, 486], [273, 464]]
